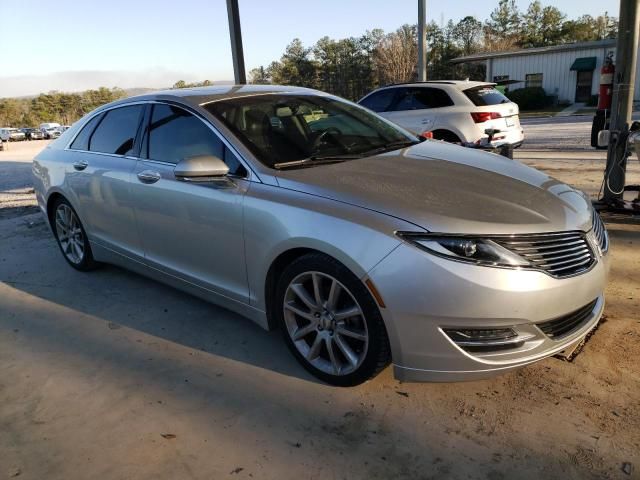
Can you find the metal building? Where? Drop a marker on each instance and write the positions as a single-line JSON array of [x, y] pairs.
[[570, 72]]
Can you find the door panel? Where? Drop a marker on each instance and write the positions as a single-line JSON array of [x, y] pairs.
[[100, 176], [408, 111], [103, 192], [416, 121], [192, 230]]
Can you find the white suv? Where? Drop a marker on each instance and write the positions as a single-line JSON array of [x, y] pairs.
[[452, 110]]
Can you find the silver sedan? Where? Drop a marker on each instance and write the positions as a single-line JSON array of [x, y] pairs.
[[308, 213]]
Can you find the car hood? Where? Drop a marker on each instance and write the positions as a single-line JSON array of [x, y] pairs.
[[446, 188]]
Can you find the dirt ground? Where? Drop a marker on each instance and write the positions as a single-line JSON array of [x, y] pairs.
[[109, 375]]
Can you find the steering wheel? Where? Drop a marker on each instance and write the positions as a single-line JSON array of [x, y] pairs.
[[331, 131]]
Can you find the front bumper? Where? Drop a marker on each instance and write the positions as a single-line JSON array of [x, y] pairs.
[[436, 293]]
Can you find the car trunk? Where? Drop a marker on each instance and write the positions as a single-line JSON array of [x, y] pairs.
[[493, 110]]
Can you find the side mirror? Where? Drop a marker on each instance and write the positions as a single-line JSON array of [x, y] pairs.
[[604, 136], [200, 168]]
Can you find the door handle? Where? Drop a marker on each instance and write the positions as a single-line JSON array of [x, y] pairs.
[[80, 165], [149, 176]]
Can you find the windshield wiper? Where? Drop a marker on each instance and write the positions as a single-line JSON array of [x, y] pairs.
[[342, 156], [387, 147], [312, 161], [324, 159]]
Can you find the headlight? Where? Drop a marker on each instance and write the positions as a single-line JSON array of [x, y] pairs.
[[465, 249]]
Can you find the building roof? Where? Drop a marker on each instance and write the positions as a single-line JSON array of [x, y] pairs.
[[538, 50]]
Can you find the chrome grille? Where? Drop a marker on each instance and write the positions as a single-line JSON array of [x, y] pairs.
[[558, 254], [565, 325], [600, 232]]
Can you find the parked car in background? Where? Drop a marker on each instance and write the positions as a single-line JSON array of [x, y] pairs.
[[11, 134], [51, 133], [452, 110], [50, 130], [32, 133], [306, 212]]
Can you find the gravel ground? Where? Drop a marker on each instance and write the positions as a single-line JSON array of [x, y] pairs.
[[109, 375]]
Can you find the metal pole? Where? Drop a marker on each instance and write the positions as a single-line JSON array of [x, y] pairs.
[[422, 40], [236, 42], [622, 101]]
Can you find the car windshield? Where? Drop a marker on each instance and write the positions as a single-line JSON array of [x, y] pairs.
[[284, 129], [482, 96]]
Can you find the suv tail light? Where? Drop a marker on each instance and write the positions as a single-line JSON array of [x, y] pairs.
[[480, 117], [426, 135]]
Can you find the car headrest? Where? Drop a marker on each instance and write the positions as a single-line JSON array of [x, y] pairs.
[[257, 123]]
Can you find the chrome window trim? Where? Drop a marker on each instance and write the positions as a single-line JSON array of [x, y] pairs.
[[251, 174], [126, 157], [156, 162], [88, 119]]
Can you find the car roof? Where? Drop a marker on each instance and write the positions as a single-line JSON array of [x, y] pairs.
[[457, 84], [202, 95]]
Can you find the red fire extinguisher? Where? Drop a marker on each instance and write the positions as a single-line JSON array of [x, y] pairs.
[[606, 83]]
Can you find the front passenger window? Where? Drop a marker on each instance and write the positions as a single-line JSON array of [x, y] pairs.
[[175, 134]]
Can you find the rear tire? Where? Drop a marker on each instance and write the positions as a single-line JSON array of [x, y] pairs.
[[71, 236], [447, 136], [330, 321]]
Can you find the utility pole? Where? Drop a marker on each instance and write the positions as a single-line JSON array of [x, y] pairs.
[[422, 40], [233, 12], [622, 101]]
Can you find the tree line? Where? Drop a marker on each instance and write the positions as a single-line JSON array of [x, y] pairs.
[[63, 108], [351, 67]]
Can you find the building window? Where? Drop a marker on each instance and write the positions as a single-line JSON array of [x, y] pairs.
[[533, 80]]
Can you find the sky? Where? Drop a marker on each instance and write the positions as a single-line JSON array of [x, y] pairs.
[[72, 45]]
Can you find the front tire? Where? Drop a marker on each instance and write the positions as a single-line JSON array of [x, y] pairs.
[[71, 236], [330, 321]]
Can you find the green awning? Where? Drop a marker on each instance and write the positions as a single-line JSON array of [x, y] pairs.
[[584, 64]]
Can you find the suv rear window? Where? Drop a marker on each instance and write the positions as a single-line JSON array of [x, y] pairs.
[[481, 96]]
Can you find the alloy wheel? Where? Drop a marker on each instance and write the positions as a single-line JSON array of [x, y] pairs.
[[69, 233], [325, 323]]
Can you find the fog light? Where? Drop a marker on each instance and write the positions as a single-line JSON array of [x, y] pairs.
[[468, 336], [486, 340]]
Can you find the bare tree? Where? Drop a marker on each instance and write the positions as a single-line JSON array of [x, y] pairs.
[[397, 54]]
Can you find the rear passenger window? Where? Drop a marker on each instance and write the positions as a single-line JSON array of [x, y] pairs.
[[434, 97], [175, 134], [379, 101], [117, 131], [81, 141], [422, 98]]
